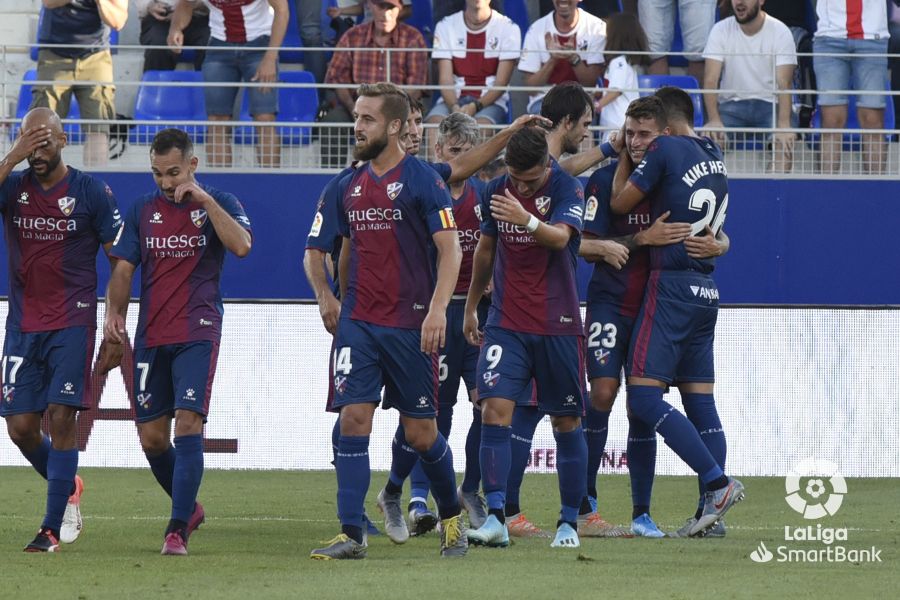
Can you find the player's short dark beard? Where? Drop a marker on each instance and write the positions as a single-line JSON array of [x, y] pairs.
[[370, 149], [51, 162], [570, 147]]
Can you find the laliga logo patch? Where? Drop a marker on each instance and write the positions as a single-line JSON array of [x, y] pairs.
[[393, 189], [542, 204], [66, 205], [198, 217], [591, 209]]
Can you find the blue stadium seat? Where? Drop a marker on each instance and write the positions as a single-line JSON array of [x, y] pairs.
[[167, 104], [291, 39], [297, 105], [852, 141], [685, 82], [73, 130], [518, 12], [422, 19]]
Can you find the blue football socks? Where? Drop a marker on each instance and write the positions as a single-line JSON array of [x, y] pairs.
[[61, 468], [701, 411], [596, 430], [163, 468], [495, 462], [524, 422], [187, 476], [571, 467], [352, 467], [437, 462], [39, 456], [418, 481], [641, 452], [472, 477]]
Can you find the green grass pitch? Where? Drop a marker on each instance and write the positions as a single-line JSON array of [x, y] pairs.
[[261, 526]]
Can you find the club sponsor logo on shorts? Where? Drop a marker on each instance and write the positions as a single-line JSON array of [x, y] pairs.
[[68, 389], [423, 401], [393, 189], [490, 378], [190, 395], [340, 384], [705, 292], [23, 198], [570, 400], [66, 205], [143, 400], [317, 225], [198, 217], [8, 393], [542, 204], [591, 211], [602, 356]]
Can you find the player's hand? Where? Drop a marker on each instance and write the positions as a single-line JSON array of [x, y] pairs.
[[191, 190], [114, 329], [662, 233], [175, 41], [27, 142], [506, 208], [530, 121], [330, 311], [109, 357], [615, 254], [434, 331], [470, 328], [267, 72], [704, 245], [617, 140]]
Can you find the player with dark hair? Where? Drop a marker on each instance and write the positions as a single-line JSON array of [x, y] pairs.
[[56, 218], [393, 314], [683, 176], [178, 235], [531, 227]]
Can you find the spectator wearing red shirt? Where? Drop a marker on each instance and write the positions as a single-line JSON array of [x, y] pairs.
[[408, 69]]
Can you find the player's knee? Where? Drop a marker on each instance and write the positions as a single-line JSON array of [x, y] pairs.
[[154, 442], [564, 424], [62, 418], [355, 420], [495, 411], [603, 395], [23, 434], [421, 434]]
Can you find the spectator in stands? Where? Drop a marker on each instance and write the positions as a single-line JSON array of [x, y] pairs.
[[658, 19], [85, 25], [474, 47], [355, 8], [356, 67], [740, 55], [244, 41], [800, 18], [845, 29], [894, 48], [309, 24], [445, 8], [598, 8], [155, 18], [565, 45], [621, 79]]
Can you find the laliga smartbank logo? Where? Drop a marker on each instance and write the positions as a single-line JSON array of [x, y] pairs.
[[815, 489]]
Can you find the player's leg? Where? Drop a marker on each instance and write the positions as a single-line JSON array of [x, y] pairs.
[[661, 334], [357, 387], [23, 398], [641, 452], [504, 373], [524, 423], [472, 501], [421, 519]]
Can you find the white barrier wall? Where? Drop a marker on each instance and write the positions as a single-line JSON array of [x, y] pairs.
[[792, 383]]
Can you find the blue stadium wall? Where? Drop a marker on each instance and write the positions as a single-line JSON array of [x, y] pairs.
[[793, 241]]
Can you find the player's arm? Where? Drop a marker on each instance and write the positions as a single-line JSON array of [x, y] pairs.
[[113, 12], [467, 164], [329, 306], [482, 270], [613, 251], [344, 267], [625, 195], [577, 164], [26, 143], [234, 237], [707, 245], [118, 293], [506, 208], [449, 256]]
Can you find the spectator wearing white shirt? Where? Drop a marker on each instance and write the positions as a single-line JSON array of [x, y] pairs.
[[844, 29], [625, 37], [750, 56], [565, 45], [475, 47]]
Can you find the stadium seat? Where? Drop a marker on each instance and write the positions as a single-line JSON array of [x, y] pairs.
[[73, 130], [291, 39], [295, 105], [422, 19], [113, 38], [685, 82], [168, 103], [518, 12], [852, 141]]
